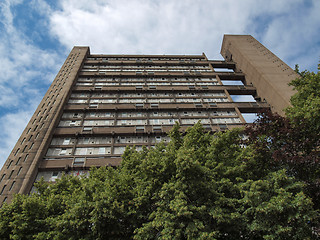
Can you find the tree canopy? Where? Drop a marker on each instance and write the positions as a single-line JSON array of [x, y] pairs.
[[199, 186], [293, 142], [306, 102]]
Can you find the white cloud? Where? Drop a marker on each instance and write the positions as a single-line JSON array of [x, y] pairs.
[[41, 6], [8, 97], [187, 27], [294, 34], [11, 127], [148, 27], [25, 69]]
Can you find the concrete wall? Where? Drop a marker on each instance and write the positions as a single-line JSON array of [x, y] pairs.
[[264, 70]]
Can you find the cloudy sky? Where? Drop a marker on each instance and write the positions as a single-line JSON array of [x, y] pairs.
[[37, 35]]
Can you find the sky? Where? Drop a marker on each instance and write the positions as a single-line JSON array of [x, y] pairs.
[[37, 35]]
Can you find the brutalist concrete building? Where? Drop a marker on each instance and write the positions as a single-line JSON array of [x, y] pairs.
[[98, 104]]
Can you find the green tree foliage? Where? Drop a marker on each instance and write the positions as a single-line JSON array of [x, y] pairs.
[[293, 142], [199, 186], [306, 102]]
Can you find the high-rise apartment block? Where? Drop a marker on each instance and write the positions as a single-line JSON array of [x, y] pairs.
[[98, 104]]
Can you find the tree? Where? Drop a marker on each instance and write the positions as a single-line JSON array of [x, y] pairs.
[[199, 186], [306, 102], [293, 142]]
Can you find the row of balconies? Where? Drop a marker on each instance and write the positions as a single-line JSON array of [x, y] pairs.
[[148, 100], [245, 107], [134, 129], [99, 84], [96, 140], [188, 87], [145, 95], [137, 122], [144, 67], [93, 59], [137, 79], [140, 114]]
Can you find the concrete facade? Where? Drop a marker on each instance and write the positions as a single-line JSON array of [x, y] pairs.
[[264, 70], [98, 104]]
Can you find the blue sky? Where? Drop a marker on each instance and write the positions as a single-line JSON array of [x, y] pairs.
[[37, 35]]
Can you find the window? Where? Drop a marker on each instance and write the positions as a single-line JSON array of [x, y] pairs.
[[9, 165], [212, 104], [63, 151], [154, 105], [81, 151], [102, 150], [19, 171], [26, 157], [91, 151], [2, 177], [93, 105], [154, 121], [87, 129], [10, 174], [36, 136], [17, 151], [18, 161], [78, 161], [157, 128], [139, 122], [12, 185], [4, 187], [25, 147], [118, 150], [140, 129]]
